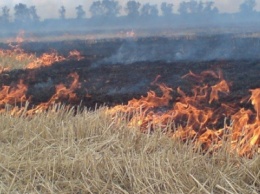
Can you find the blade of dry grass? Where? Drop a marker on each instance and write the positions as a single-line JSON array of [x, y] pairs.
[[199, 184], [223, 189]]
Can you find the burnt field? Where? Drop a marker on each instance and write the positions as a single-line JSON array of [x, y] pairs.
[[114, 71]]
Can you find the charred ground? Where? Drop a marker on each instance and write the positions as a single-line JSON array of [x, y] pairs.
[[105, 79]]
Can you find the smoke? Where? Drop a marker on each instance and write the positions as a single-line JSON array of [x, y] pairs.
[[162, 49], [131, 51], [198, 48]]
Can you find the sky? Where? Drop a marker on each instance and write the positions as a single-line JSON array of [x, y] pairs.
[[49, 8]]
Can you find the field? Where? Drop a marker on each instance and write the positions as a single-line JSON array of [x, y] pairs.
[[64, 130]]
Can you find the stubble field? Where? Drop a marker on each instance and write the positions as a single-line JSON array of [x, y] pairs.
[[78, 146]]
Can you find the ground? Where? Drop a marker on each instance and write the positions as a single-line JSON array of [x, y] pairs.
[[108, 80]]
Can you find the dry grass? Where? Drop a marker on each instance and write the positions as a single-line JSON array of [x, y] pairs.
[[14, 60], [91, 153]]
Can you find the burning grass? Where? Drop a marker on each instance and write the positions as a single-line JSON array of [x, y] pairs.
[[14, 59], [197, 119], [59, 152], [47, 148], [17, 58]]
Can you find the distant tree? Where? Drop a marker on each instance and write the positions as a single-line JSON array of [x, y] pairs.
[[209, 8], [190, 7], [149, 10], [247, 6], [108, 8], [80, 12], [97, 9], [33, 14], [154, 10], [183, 8], [199, 8], [167, 9], [5, 14], [62, 12], [132, 8], [22, 13], [112, 7]]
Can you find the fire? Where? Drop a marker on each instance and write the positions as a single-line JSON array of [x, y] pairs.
[[75, 55], [255, 98], [198, 115], [16, 53], [62, 94], [222, 86], [16, 95], [3, 69], [13, 95], [196, 118], [246, 127], [20, 37], [45, 60]]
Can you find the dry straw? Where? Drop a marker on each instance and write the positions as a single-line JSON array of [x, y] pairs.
[[90, 152]]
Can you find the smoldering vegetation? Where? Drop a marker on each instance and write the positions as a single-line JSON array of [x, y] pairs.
[[178, 48], [193, 31], [194, 48]]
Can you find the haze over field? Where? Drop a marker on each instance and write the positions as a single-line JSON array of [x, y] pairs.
[[47, 16], [49, 8]]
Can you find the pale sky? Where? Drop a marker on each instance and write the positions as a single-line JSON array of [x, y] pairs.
[[49, 8]]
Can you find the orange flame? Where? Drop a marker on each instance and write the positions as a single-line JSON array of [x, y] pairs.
[[222, 86], [13, 95], [20, 37], [255, 99], [75, 55], [45, 60], [17, 94], [195, 116], [62, 93]]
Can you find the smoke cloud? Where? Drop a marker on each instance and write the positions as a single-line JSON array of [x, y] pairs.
[[199, 48]]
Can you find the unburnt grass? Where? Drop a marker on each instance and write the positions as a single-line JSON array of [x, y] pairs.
[[90, 152]]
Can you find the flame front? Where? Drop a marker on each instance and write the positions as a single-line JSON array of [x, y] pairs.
[[45, 60], [195, 118], [198, 116], [13, 95], [17, 95], [62, 94]]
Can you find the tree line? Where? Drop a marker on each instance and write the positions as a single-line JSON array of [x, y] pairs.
[[111, 9]]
